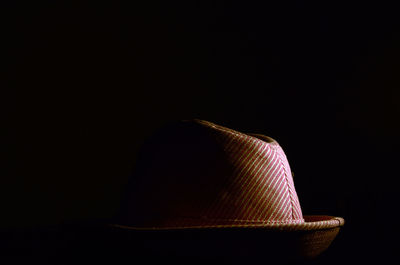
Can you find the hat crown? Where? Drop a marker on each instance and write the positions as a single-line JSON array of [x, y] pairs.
[[197, 173]]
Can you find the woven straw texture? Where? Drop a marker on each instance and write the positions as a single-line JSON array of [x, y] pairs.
[[196, 174]]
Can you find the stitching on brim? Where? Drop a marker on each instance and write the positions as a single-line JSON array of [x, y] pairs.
[[309, 226]]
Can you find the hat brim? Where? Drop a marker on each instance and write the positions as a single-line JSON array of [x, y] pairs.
[[311, 222], [281, 241]]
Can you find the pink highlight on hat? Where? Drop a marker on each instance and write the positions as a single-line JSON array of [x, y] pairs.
[[202, 175]]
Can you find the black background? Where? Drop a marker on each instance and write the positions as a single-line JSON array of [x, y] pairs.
[[88, 81]]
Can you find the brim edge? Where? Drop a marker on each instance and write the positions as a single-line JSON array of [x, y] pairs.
[[323, 222]]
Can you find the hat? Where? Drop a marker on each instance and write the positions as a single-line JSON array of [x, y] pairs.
[[201, 177]]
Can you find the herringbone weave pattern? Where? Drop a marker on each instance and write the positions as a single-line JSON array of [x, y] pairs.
[[257, 192]]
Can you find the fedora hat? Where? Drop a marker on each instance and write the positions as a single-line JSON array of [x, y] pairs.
[[195, 179]]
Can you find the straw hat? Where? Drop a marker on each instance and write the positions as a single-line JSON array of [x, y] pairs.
[[200, 179]]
